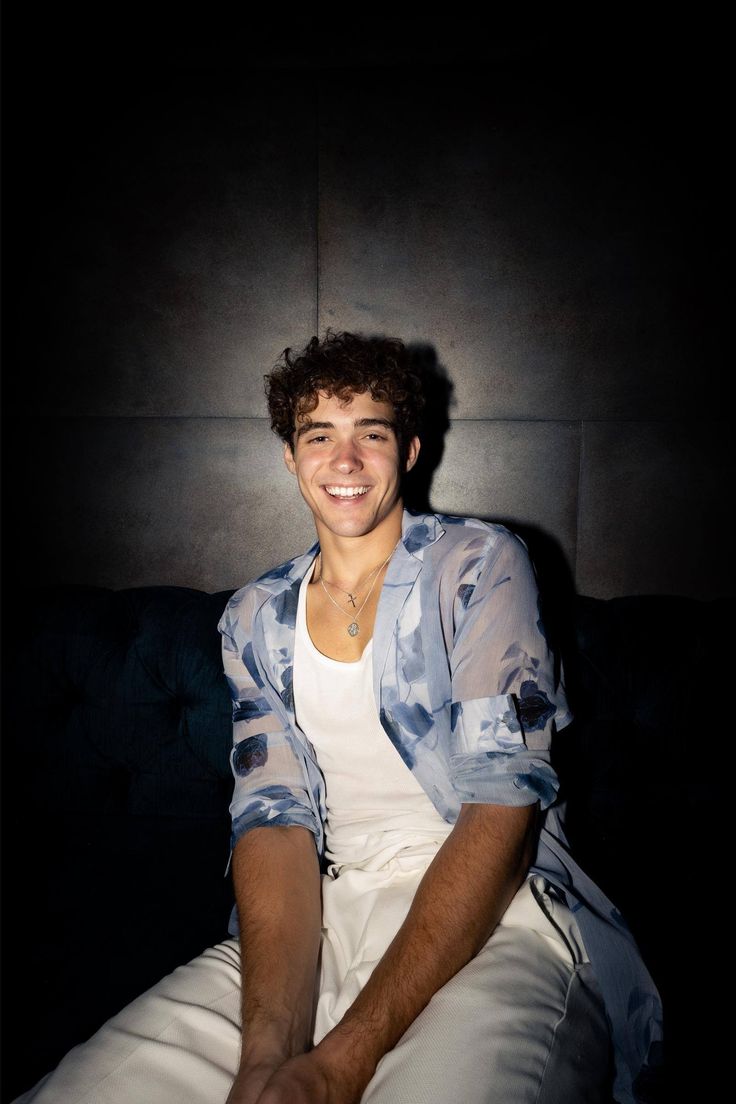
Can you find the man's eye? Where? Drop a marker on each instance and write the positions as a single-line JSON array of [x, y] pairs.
[[376, 436], [317, 439]]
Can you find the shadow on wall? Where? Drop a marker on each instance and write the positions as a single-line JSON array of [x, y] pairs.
[[439, 397], [556, 580]]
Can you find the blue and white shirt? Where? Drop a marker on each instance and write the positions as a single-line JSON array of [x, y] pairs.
[[468, 692]]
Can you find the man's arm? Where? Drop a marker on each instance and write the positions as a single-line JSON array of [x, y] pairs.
[[275, 866], [462, 896], [277, 887]]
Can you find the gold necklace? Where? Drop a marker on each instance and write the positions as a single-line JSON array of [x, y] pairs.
[[353, 627], [350, 595]]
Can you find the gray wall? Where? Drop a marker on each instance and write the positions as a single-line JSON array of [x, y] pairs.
[[547, 222]]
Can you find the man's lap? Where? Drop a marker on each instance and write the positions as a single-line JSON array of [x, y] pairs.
[[524, 1013]]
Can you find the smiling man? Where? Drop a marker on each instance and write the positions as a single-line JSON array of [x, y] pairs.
[[410, 926], [414, 928]]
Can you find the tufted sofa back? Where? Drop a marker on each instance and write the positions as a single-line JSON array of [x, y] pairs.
[[117, 732], [129, 702]]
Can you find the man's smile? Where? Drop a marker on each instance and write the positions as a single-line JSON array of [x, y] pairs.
[[338, 490]]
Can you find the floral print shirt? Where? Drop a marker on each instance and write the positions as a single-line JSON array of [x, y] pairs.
[[469, 694]]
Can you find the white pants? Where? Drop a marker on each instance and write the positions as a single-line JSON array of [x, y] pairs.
[[522, 1022]]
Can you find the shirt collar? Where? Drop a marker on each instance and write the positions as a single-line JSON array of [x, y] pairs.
[[418, 531]]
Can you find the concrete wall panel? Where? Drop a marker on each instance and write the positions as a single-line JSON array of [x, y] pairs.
[[523, 474], [174, 248], [195, 502], [656, 510], [526, 236]]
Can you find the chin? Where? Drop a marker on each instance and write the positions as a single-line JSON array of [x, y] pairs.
[[350, 528]]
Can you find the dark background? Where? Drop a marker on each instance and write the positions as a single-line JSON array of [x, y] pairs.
[[545, 214]]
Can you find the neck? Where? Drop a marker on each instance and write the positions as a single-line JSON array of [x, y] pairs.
[[346, 560]]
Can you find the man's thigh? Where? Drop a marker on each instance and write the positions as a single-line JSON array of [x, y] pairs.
[[180, 1041], [523, 1022]]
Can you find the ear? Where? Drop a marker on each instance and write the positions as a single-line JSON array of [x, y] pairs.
[[412, 453], [289, 458]]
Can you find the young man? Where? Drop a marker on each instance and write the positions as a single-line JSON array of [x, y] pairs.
[[412, 928], [394, 699]]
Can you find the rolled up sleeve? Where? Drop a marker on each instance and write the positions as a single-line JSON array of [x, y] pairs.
[[507, 700], [270, 785]]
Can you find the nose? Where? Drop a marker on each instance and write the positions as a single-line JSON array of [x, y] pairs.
[[346, 457]]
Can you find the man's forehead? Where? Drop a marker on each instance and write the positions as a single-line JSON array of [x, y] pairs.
[[354, 408]]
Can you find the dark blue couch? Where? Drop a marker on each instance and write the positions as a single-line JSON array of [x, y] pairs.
[[117, 784]]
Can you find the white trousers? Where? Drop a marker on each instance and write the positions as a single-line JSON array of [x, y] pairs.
[[522, 1022]]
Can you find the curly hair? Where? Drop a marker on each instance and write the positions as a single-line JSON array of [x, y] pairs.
[[343, 365]]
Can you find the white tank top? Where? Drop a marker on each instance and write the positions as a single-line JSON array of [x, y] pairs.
[[375, 806]]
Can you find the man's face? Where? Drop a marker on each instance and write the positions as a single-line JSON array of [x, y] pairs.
[[346, 460]]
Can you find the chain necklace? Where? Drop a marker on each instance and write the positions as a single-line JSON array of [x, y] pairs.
[[353, 627], [350, 595]]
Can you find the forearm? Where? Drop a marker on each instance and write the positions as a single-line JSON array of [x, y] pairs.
[[277, 887], [461, 898]]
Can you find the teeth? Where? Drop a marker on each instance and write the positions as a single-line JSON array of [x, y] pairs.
[[346, 492]]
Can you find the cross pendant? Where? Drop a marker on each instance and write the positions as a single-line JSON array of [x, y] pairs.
[[351, 599]]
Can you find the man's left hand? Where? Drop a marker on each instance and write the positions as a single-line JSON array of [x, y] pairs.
[[306, 1079]]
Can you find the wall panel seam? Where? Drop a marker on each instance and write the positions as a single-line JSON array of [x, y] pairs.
[[579, 499]]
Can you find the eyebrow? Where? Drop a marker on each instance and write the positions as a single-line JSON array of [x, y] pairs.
[[359, 423]]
